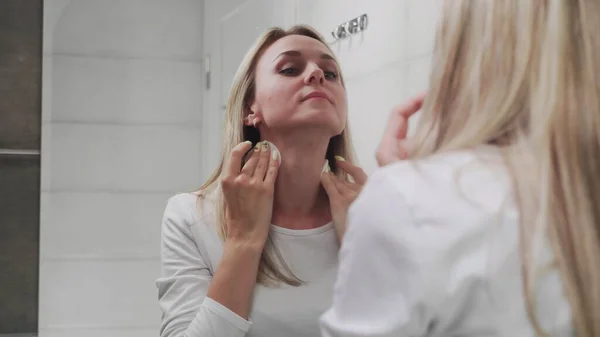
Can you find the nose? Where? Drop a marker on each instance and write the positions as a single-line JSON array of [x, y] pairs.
[[314, 75]]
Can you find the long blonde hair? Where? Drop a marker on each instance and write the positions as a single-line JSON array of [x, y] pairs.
[[272, 268], [522, 75]]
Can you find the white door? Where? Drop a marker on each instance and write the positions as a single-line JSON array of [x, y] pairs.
[[231, 27]]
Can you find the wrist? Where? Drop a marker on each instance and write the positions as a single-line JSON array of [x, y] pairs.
[[340, 229], [243, 246]]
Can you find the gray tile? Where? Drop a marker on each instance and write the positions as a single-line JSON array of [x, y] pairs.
[[21, 33], [20, 73], [19, 243]]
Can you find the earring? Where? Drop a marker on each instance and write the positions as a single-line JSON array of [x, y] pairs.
[[255, 121]]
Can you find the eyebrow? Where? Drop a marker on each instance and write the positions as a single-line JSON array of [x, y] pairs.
[[295, 53]]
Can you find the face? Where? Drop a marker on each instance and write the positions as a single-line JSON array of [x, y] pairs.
[[298, 84]]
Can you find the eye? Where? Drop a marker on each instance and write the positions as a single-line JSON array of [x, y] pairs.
[[331, 75], [291, 71]]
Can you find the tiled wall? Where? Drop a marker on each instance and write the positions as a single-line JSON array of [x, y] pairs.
[[20, 104], [122, 105], [384, 65]]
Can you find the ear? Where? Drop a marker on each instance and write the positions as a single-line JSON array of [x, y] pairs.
[[253, 115]]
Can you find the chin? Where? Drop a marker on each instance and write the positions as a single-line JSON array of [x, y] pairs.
[[328, 127], [328, 120]]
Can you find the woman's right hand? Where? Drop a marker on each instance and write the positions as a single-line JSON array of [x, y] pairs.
[[394, 146], [248, 193]]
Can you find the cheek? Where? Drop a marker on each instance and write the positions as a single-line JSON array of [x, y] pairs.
[[277, 99], [342, 102]]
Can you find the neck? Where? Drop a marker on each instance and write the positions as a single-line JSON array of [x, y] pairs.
[[300, 201]]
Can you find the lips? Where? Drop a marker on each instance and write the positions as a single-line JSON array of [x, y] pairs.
[[317, 94]]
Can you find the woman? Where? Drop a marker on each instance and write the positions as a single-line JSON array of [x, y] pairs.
[[492, 227], [226, 271]]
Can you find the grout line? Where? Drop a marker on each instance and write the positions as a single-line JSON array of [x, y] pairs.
[[108, 191], [117, 57], [98, 327], [234, 11], [98, 258], [187, 125]]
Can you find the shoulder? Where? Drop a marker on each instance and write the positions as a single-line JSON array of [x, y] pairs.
[[182, 205], [188, 209], [434, 204], [428, 216], [447, 183]]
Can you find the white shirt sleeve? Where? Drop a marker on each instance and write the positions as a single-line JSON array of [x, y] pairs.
[[182, 287], [380, 285]]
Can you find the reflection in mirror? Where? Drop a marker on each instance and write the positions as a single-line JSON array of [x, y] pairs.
[[134, 107]]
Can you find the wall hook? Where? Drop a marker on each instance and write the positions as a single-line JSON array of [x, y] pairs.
[[351, 27]]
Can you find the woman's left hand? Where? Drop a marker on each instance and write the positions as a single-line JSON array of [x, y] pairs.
[[342, 192]]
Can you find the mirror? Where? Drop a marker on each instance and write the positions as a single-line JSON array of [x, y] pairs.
[[119, 105]]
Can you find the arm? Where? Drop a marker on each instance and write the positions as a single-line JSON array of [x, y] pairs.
[[235, 278], [379, 288], [186, 280]]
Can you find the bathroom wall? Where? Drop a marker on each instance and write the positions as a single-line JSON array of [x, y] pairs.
[[20, 106], [122, 104], [384, 65]]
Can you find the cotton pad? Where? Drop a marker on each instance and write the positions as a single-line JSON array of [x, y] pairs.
[[271, 146]]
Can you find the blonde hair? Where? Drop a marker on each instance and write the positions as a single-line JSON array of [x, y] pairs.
[[522, 75], [272, 268]]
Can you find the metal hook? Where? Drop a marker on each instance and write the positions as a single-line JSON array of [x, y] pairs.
[[351, 27]]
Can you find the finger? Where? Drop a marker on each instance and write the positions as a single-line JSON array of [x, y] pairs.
[[404, 148], [402, 113], [234, 164], [389, 153], [343, 186], [390, 149], [250, 164], [263, 161], [384, 158], [352, 186], [358, 174], [327, 180], [412, 105], [398, 121], [271, 174]]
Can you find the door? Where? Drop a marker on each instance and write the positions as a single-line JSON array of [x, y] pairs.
[[232, 27]]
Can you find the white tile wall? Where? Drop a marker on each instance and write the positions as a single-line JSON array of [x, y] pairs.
[[124, 157], [53, 12], [383, 43], [133, 28], [122, 120], [99, 293], [417, 74], [126, 90], [421, 21], [371, 97], [95, 218]]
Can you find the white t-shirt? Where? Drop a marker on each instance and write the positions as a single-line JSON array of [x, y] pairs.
[[432, 249], [191, 250]]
